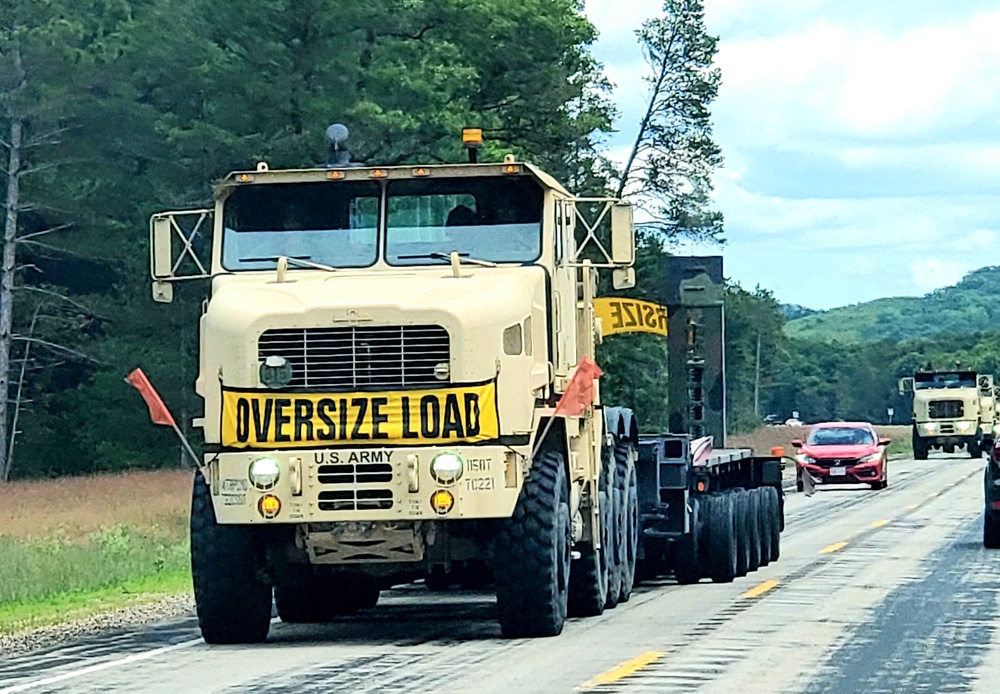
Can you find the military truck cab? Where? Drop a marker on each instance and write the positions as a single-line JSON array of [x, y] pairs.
[[951, 409]]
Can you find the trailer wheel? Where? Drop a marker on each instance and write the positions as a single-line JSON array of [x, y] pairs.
[[310, 598], [765, 520], [991, 529], [687, 560], [532, 554], [754, 530], [722, 538], [625, 462], [741, 510], [588, 576], [231, 591], [773, 506]]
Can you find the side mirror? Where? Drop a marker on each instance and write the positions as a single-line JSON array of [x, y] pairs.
[[797, 443], [884, 441], [162, 259], [623, 278], [906, 385], [622, 235], [191, 227]]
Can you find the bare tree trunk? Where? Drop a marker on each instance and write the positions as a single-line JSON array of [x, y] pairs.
[[15, 144], [756, 384]]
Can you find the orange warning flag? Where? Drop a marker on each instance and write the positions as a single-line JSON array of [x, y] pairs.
[[579, 393], [158, 412]]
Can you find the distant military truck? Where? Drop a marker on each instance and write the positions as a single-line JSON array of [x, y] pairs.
[[951, 409]]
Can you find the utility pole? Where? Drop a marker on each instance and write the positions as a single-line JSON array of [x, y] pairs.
[[756, 382]]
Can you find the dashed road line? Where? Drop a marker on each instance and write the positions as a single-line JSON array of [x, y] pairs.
[[835, 547], [623, 670], [880, 523], [757, 591]]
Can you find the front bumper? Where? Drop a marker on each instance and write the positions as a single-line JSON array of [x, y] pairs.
[[380, 484], [863, 473]]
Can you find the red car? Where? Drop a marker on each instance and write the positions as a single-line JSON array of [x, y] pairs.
[[843, 453]]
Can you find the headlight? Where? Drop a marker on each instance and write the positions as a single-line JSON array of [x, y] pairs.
[[871, 458], [806, 459], [446, 468], [264, 473], [929, 427], [965, 427]]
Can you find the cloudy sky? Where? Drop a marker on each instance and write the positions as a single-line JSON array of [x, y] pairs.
[[862, 139]]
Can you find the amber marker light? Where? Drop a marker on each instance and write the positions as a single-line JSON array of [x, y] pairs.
[[442, 501], [336, 175], [701, 486], [512, 169], [269, 506], [421, 172], [245, 178], [379, 173]]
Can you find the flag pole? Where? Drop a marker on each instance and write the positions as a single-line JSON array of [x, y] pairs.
[[187, 446]]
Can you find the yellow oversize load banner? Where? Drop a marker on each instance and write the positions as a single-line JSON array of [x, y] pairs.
[[267, 419], [619, 315]]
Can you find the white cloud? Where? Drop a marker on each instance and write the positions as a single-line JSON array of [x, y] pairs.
[[931, 273]]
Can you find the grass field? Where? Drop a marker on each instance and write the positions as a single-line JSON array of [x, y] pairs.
[[75, 546]]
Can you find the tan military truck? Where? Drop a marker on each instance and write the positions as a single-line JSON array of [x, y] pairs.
[[951, 409]]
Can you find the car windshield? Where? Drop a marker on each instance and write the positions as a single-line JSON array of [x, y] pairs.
[[840, 436], [955, 379], [493, 219], [334, 224]]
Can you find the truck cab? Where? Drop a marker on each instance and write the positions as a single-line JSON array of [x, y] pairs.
[[951, 409]]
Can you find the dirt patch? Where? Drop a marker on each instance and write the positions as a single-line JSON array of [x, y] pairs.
[[78, 506]]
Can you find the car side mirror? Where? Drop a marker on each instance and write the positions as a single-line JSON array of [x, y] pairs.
[[797, 443], [884, 442]]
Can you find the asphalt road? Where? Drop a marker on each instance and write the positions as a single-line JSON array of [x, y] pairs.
[[886, 591]]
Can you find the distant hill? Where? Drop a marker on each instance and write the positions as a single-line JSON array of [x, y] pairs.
[[793, 311], [971, 305]]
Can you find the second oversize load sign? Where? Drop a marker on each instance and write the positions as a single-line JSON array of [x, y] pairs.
[[266, 419], [619, 315]]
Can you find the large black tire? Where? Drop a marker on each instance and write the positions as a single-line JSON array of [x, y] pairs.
[[231, 590], [721, 538], [308, 597], [991, 529], [588, 576], [741, 507], [765, 520], [920, 447], [800, 486], [773, 506], [616, 531], [974, 449], [532, 554], [628, 483], [687, 558], [753, 528]]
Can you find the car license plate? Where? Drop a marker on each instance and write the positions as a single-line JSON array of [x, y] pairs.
[[838, 471]]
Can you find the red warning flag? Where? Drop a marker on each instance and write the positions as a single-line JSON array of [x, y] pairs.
[[158, 412], [579, 394]]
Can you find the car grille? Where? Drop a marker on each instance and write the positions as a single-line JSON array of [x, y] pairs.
[[837, 462], [945, 409], [348, 359]]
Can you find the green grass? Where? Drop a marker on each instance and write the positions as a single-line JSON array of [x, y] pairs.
[[45, 581]]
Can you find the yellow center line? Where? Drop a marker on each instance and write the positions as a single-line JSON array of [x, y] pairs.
[[761, 589], [626, 669], [879, 523], [911, 507], [932, 495], [835, 547]]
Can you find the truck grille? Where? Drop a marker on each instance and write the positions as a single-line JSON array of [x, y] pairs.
[[364, 473], [369, 358], [356, 500], [945, 409]]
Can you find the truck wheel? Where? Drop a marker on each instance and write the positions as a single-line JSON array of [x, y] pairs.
[[231, 591], [438, 580], [722, 538], [588, 576], [741, 508], [754, 529], [920, 447], [687, 562], [616, 533], [991, 529], [974, 449], [532, 554], [625, 462], [773, 506], [764, 522]]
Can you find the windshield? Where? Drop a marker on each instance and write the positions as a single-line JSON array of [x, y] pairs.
[[840, 436], [495, 219], [955, 379], [333, 224]]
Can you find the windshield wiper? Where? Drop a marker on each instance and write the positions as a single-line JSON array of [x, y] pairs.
[[299, 261], [446, 257]]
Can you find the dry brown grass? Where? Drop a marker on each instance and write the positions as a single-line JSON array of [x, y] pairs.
[[765, 438], [78, 506]]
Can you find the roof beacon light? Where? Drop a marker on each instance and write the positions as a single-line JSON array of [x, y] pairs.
[[472, 138]]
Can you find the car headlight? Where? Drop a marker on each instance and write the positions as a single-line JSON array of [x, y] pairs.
[[264, 473], [965, 427], [806, 459], [446, 468], [874, 457], [930, 427]]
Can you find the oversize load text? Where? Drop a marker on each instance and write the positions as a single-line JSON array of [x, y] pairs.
[[462, 414]]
